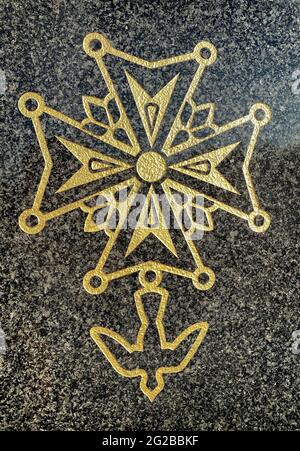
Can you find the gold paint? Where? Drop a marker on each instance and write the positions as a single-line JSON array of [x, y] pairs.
[[151, 221], [150, 167], [97, 333], [95, 165], [208, 173], [152, 109]]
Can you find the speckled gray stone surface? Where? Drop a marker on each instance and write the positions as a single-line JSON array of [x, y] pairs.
[[245, 376]]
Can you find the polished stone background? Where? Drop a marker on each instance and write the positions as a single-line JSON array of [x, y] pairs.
[[245, 375]]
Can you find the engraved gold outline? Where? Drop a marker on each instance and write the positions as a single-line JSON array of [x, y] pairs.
[[98, 273], [138, 346]]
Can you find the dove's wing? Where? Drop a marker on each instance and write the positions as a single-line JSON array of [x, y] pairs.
[[98, 332], [200, 329]]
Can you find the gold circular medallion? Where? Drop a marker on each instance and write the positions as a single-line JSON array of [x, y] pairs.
[[151, 166]]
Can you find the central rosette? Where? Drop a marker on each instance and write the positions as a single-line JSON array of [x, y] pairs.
[[151, 166]]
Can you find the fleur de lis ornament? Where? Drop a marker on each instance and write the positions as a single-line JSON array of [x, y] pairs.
[[154, 139]]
